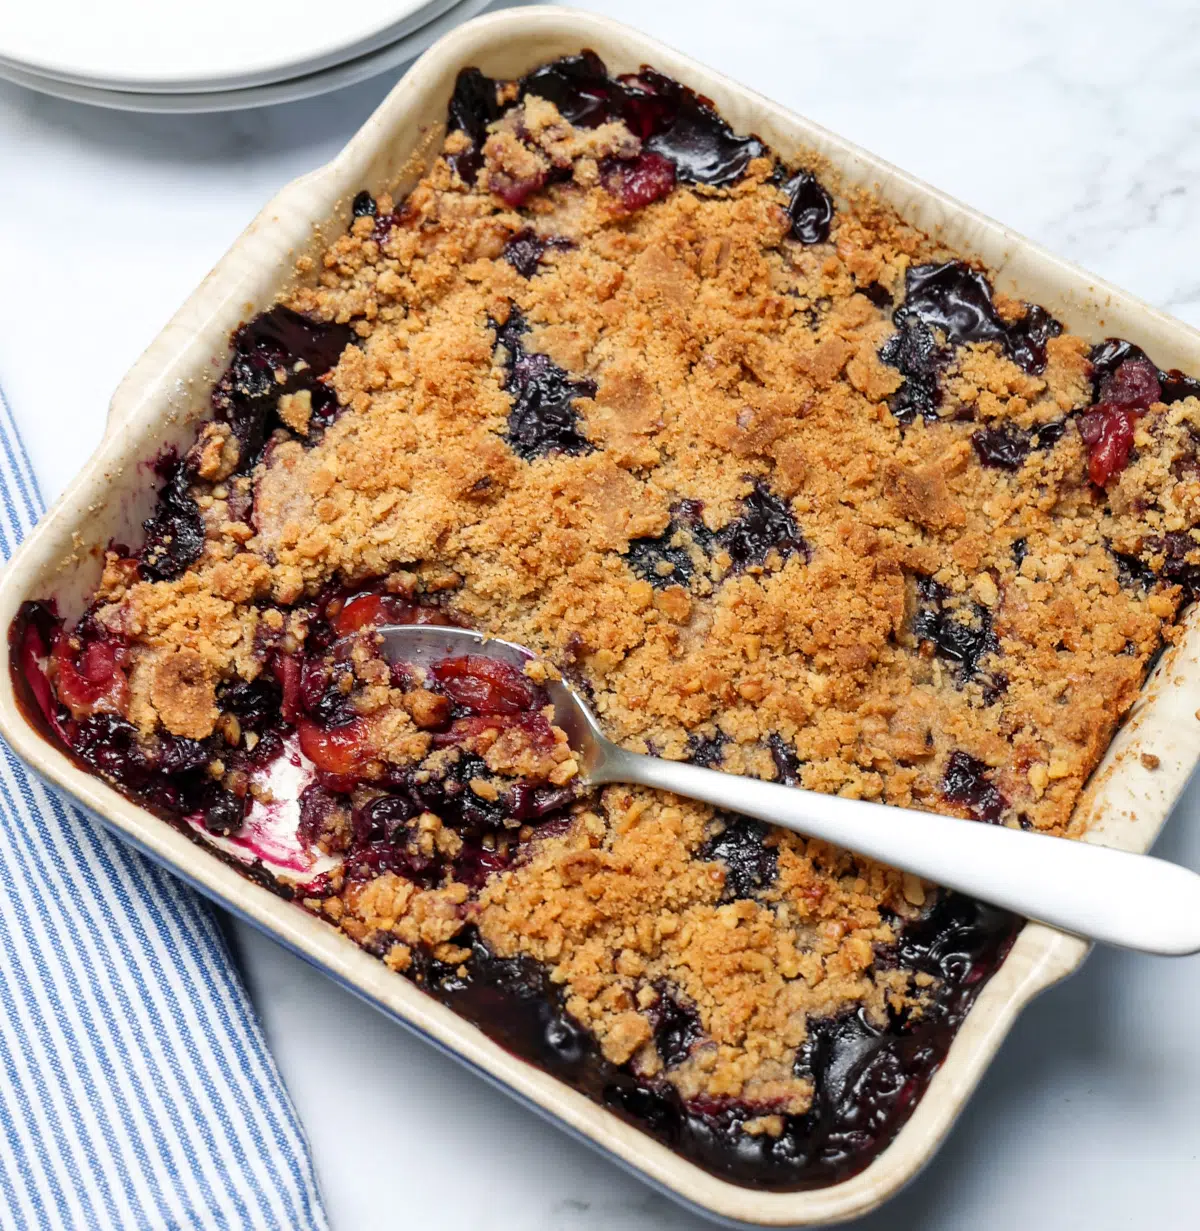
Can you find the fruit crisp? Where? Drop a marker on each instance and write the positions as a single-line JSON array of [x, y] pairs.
[[776, 479]]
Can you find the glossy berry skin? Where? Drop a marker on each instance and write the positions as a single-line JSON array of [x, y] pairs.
[[1006, 446], [764, 524], [707, 751], [965, 641], [1107, 429], [482, 685], [957, 299], [543, 418], [256, 703], [1108, 433], [524, 250], [639, 182], [787, 763], [473, 106], [915, 352], [966, 782], [175, 530], [750, 864], [954, 300], [810, 209], [278, 352], [677, 1026], [660, 560], [1109, 355], [674, 123]]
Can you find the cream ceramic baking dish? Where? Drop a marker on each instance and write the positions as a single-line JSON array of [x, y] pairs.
[[167, 391]]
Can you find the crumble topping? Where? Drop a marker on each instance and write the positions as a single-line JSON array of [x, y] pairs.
[[786, 490]]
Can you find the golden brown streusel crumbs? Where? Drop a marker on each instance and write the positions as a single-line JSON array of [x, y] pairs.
[[741, 550]]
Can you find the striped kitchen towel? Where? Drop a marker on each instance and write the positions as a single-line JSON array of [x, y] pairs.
[[136, 1090]]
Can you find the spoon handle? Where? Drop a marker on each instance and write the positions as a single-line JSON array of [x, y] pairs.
[[1135, 901]]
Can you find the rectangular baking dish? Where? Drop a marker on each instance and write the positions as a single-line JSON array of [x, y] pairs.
[[160, 400]]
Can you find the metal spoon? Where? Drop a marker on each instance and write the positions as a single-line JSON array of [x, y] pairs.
[[1135, 901]]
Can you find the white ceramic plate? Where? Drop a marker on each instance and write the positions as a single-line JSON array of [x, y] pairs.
[[183, 45], [334, 78]]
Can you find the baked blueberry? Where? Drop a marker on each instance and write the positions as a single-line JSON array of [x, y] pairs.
[[764, 525], [810, 209], [525, 249], [741, 845], [963, 635], [1006, 446], [543, 418], [677, 1026], [966, 782], [663, 559], [175, 530]]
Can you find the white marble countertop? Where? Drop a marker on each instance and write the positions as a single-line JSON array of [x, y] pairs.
[[1078, 125]]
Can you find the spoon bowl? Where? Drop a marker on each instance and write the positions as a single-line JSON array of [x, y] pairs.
[[423, 645]]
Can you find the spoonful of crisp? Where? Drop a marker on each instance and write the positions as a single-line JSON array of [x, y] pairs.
[[1135, 901]]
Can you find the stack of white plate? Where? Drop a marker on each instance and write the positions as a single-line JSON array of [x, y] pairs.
[[213, 55]]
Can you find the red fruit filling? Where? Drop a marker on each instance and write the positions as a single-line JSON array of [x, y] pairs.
[[1107, 429], [485, 686], [368, 610], [341, 751], [88, 673], [512, 191], [639, 181], [535, 726], [1108, 433], [32, 634], [288, 671]]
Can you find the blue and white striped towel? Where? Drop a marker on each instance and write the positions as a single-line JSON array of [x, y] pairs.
[[136, 1090]]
